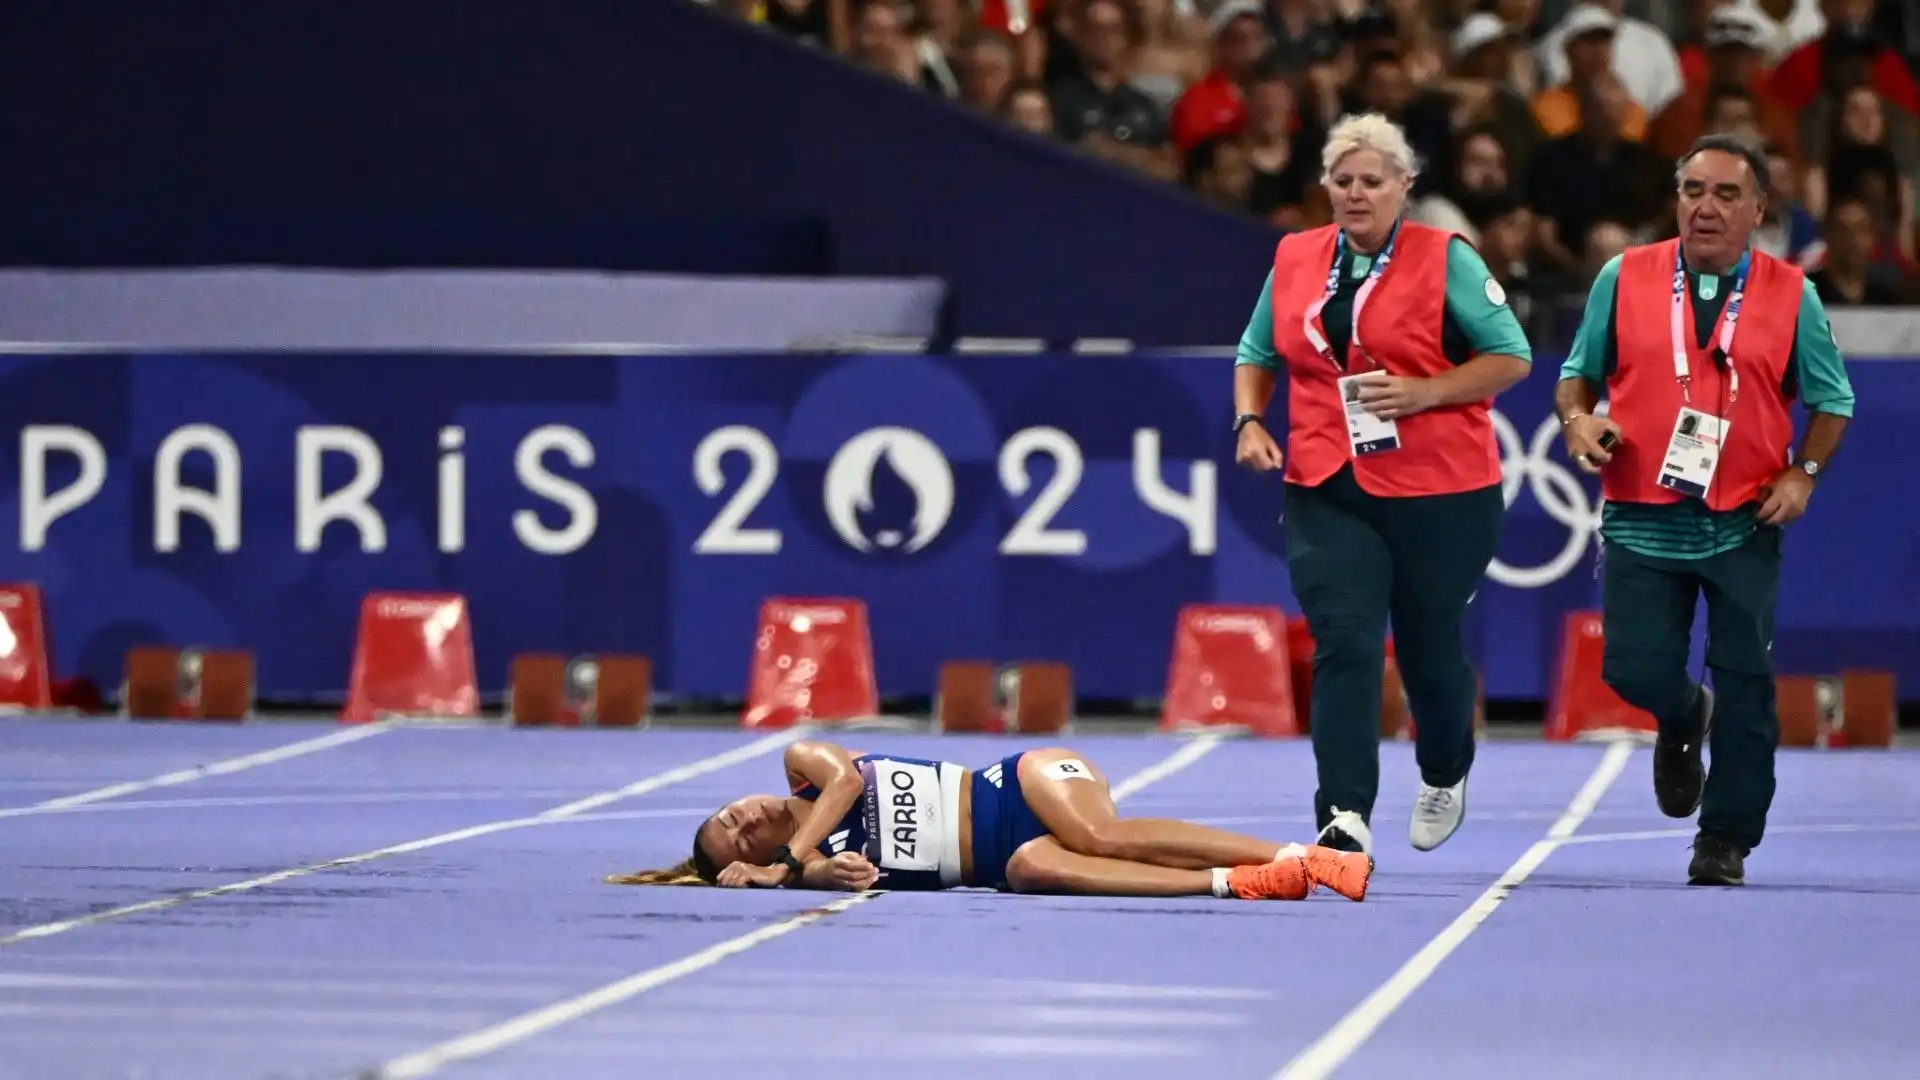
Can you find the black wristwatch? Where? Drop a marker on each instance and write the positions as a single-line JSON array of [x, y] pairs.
[[784, 854], [1246, 418]]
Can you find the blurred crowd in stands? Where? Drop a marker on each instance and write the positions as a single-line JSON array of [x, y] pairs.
[[1548, 129]]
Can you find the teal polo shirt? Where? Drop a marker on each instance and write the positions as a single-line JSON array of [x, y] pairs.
[[1478, 320], [1689, 529]]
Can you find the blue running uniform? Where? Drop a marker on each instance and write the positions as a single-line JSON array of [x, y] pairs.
[[907, 821]]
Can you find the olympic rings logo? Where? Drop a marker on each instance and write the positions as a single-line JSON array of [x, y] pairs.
[[1558, 491]]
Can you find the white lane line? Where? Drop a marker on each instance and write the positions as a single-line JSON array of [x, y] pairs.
[[559, 813], [525, 1026], [1772, 830], [1332, 1049], [320, 798], [218, 768]]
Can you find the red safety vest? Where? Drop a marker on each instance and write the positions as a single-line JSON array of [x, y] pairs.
[[1442, 451], [1644, 397]]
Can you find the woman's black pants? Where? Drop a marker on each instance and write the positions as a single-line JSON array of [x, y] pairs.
[[1359, 561]]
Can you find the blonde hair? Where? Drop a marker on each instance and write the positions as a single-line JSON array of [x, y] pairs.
[[696, 869], [1368, 131], [681, 873]]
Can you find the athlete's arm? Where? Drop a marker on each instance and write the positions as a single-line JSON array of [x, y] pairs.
[[829, 768]]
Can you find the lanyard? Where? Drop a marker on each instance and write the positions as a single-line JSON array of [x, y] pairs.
[[1729, 318], [1314, 337]]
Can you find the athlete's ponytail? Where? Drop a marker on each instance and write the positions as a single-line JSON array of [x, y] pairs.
[[680, 874], [696, 869]]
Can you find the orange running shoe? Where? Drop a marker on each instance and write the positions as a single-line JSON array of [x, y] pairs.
[[1281, 879], [1345, 872]]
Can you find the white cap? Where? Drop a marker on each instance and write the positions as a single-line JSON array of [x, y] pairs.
[[1738, 24], [1477, 29], [1586, 18], [1230, 11]]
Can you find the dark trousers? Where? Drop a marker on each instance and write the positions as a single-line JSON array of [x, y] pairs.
[[1649, 604], [1358, 561]]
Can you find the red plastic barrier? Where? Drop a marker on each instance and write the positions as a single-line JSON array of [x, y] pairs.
[[812, 663], [1230, 668], [25, 680], [413, 657], [1582, 705]]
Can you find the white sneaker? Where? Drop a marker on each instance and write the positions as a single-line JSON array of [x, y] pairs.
[[1346, 832], [1436, 814]]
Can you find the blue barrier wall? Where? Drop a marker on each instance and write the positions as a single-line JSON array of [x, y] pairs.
[[1017, 507], [613, 134]]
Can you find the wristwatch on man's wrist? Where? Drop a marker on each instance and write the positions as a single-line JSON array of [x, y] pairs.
[[1247, 418], [1811, 468]]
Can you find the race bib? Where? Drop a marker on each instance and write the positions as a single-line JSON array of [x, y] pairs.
[[1369, 434], [903, 824], [1074, 769], [1693, 454]]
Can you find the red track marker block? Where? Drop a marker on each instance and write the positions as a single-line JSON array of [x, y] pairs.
[[1869, 711], [1583, 706], [812, 663], [414, 657], [24, 673], [1230, 669]]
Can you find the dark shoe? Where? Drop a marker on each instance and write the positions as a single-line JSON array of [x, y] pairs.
[[1679, 778], [1717, 861], [1346, 831]]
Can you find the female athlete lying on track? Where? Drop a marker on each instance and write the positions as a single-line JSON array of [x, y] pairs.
[[1041, 821]]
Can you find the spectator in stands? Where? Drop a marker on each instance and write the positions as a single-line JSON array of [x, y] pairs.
[[1385, 87], [1787, 231], [938, 29], [881, 43], [1642, 56], [1217, 170], [1606, 240], [1800, 21], [1863, 145], [1172, 54], [1520, 17], [1850, 41], [1746, 22], [823, 23], [1416, 38], [1303, 32], [1480, 96], [1480, 175], [1731, 110], [1848, 274], [1505, 227], [1734, 55], [1283, 153], [1215, 106], [1588, 34], [987, 69], [1592, 175], [1405, 323], [1029, 109], [1098, 108]]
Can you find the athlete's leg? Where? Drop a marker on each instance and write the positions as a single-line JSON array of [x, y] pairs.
[[1044, 865], [1069, 795]]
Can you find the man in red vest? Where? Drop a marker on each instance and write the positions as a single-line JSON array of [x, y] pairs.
[[1701, 344]]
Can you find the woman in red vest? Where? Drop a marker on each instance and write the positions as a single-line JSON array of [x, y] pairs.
[[1394, 338]]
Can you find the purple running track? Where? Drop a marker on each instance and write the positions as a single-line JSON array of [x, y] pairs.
[[1601, 963]]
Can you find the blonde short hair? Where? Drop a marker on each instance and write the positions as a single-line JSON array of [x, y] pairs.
[[1368, 131]]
